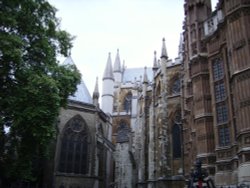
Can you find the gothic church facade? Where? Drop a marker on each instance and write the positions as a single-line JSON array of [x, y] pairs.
[[83, 151], [155, 122], [146, 120], [167, 117]]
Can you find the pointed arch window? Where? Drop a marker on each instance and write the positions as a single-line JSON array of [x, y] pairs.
[[176, 87], [122, 132], [127, 102], [74, 147]]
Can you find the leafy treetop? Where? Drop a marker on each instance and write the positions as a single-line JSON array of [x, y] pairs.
[[33, 85]]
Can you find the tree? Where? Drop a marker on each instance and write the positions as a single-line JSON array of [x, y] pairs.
[[33, 85]]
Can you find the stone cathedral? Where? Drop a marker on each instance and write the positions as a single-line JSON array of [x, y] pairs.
[[153, 123], [145, 106]]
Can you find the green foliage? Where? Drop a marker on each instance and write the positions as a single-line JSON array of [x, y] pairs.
[[33, 86]]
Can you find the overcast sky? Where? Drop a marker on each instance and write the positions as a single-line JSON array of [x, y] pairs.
[[135, 27]]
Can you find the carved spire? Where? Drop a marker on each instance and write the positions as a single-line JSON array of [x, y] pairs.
[[117, 64], [108, 73], [96, 93], [164, 49], [159, 62], [123, 66], [181, 47], [145, 76], [155, 65]]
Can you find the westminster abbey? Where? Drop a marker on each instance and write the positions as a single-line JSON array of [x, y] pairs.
[[154, 123]]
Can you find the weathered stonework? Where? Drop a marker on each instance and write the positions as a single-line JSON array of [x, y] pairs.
[[156, 122], [214, 119], [146, 108], [99, 149]]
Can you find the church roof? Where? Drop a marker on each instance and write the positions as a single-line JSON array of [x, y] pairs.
[[82, 93], [130, 74], [68, 61]]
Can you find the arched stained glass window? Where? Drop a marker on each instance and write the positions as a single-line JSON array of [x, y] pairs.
[[176, 87], [127, 102], [122, 132], [74, 147]]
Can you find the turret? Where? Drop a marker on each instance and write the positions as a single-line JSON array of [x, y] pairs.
[[96, 94], [155, 63], [196, 11], [181, 47], [164, 50], [164, 57], [123, 66], [145, 81], [117, 69], [108, 87], [159, 62]]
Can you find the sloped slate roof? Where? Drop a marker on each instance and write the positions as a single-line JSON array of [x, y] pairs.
[[82, 93], [130, 74], [68, 61]]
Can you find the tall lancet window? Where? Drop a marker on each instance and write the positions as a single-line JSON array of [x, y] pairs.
[[176, 87], [176, 135], [127, 102], [122, 132], [74, 147]]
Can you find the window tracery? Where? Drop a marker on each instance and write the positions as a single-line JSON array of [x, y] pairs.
[[224, 135], [122, 132], [127, 102], [175, 85], [74, 147]]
